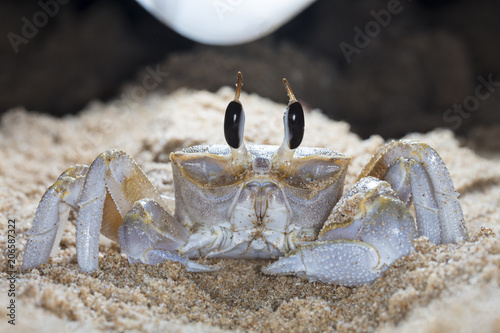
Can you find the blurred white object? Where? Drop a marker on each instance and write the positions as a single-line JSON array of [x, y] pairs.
[[224, 22]]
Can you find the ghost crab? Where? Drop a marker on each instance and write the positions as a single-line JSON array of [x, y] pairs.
[[258, 201]]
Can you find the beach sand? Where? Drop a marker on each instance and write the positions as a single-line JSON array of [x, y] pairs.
[[452, 287]]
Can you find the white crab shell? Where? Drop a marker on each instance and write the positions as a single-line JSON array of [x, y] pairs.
[[261, 207]]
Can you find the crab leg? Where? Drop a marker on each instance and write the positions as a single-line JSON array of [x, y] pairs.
[[413, 185], [114, 184], [368, 229], [52, 215], [417, 173], [104, 195], [142, 237]]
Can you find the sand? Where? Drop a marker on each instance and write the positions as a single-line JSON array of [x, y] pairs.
[[436, 288]]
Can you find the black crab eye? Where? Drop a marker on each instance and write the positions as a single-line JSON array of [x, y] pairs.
[[293, 120], [294, 124], [234, 124], [234, 120]]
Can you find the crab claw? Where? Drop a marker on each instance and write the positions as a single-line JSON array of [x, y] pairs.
[[158, 256], [348, 263], [368, 229]]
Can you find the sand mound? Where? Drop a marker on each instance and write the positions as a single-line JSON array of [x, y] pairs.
[[436, 288]]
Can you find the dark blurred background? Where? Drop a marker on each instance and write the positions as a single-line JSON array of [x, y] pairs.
[[435, 64]]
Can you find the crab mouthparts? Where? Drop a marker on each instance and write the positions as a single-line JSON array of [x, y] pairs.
[[261, 193]]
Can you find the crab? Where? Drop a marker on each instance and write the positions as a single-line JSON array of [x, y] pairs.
[[257, 201]]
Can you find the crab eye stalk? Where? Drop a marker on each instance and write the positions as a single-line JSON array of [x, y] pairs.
[[294, 122], [234, 125]]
